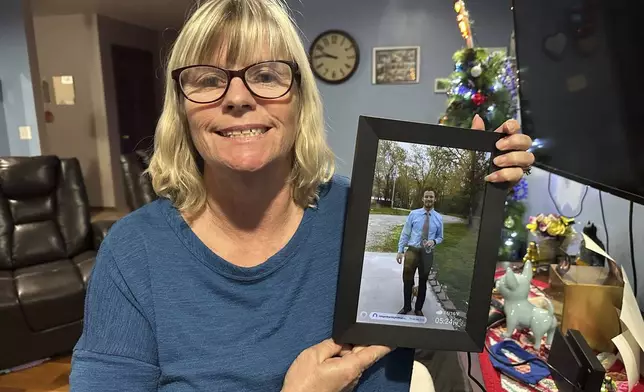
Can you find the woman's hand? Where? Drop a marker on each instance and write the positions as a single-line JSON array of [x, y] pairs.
[[513, 163], [331, 367]]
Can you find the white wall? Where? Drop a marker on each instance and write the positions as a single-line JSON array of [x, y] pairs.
[[80, 46], [568, 196], [68, 45]]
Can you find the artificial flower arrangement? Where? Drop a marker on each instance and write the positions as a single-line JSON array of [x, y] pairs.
[[552, 225]]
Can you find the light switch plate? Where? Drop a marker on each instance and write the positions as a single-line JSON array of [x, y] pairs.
[[25, 132]]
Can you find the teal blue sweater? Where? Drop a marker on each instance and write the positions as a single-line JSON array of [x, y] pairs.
[[164, 313]]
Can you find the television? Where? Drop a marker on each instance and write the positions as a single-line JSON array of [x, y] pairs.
[[581, 90]]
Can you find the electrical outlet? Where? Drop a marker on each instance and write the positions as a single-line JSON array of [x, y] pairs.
[[25, 132]]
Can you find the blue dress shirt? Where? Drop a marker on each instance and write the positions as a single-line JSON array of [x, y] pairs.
[[412, 232]]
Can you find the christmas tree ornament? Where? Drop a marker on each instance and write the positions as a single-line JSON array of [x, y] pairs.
[[462, 90], [532, 255], [476, 71], [509, 222], [478, 98]]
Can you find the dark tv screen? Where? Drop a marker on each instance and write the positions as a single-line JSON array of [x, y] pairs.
[[581, 79]]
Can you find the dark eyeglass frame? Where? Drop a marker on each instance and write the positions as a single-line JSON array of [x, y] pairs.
[[240, 73]]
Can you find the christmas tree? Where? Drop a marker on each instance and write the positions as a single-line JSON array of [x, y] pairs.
[[477, 87], [514, 234], [484, 83]]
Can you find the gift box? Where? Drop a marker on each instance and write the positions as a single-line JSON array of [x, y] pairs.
[[585, 298]]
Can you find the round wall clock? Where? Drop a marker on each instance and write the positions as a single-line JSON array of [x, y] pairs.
[[335, 56]]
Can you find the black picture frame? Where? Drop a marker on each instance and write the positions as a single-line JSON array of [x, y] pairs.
[[346, 329]]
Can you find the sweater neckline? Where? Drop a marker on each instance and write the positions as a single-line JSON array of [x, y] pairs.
[[223, 267]]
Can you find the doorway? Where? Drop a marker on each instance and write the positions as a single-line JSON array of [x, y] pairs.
[[134, 81]]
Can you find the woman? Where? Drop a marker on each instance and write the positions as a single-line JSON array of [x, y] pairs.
[[228, 281]]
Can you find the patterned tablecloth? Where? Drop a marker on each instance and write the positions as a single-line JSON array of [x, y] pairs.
[[497, 382]]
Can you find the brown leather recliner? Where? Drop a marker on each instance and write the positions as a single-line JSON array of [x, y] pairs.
[[47, 250], [138, 187]]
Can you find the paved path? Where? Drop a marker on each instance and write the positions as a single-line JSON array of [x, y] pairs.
[[381, 296], [380, 225]]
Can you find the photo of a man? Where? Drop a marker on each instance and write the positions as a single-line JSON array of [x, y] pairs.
[[422, 232], [421, 240]]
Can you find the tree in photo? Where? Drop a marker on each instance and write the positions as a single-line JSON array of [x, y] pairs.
[[390, 157]]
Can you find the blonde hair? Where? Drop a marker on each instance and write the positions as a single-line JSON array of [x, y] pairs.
[[240, 29]]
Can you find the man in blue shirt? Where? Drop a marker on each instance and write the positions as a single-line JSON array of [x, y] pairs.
[[423, 230]]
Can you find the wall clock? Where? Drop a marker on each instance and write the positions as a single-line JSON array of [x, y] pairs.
[[335, 56]]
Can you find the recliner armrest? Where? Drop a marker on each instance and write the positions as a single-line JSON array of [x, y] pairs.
[[99, 231]]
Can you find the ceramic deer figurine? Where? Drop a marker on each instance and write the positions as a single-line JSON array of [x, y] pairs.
[[519, 312]]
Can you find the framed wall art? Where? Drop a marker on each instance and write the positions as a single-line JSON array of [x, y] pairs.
[[396, 65], [421, 237], [442, 85]]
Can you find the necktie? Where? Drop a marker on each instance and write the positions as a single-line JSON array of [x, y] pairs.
[[426, 227]]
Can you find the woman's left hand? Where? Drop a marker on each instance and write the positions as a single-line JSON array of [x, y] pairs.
[[512, 164]]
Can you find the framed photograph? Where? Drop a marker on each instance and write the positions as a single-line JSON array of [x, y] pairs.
[[396, 65], [502, 50], [421, 237], [442, 85]]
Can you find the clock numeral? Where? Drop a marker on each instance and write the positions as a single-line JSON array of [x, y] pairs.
[[342, 71], [326, 41], [319, 47], [348, 49], [334, 39], [333, 74], [343, 41], [326, 71], [319, 65], [351, 57], [348, 66]]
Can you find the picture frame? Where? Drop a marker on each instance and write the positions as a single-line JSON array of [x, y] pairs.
[[396, 65], [442, 85], [501, 49], [348, 327]]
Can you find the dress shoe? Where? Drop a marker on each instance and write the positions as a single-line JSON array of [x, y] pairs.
[[419, 313], [404, 311]]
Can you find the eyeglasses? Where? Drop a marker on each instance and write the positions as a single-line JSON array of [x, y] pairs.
[[208, 84]]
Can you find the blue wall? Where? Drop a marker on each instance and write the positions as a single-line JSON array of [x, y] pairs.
[[430, 24], [17, 96]]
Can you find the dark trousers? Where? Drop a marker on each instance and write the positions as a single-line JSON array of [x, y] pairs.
[[416, 258]]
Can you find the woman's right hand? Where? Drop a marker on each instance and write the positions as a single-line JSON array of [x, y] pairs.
[[331, 367]]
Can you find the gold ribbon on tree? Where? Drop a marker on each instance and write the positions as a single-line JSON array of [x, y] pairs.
[[463, 19]]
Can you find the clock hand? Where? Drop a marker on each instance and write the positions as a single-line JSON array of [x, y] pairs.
[[326, 55]]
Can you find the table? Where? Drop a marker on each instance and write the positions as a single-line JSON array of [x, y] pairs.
[[495, 381]]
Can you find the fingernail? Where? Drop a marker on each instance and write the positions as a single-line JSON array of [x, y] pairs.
[[500, 160], [501, 144], [491, 177]]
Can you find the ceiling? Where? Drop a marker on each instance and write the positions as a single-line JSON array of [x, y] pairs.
[[154, 14]]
